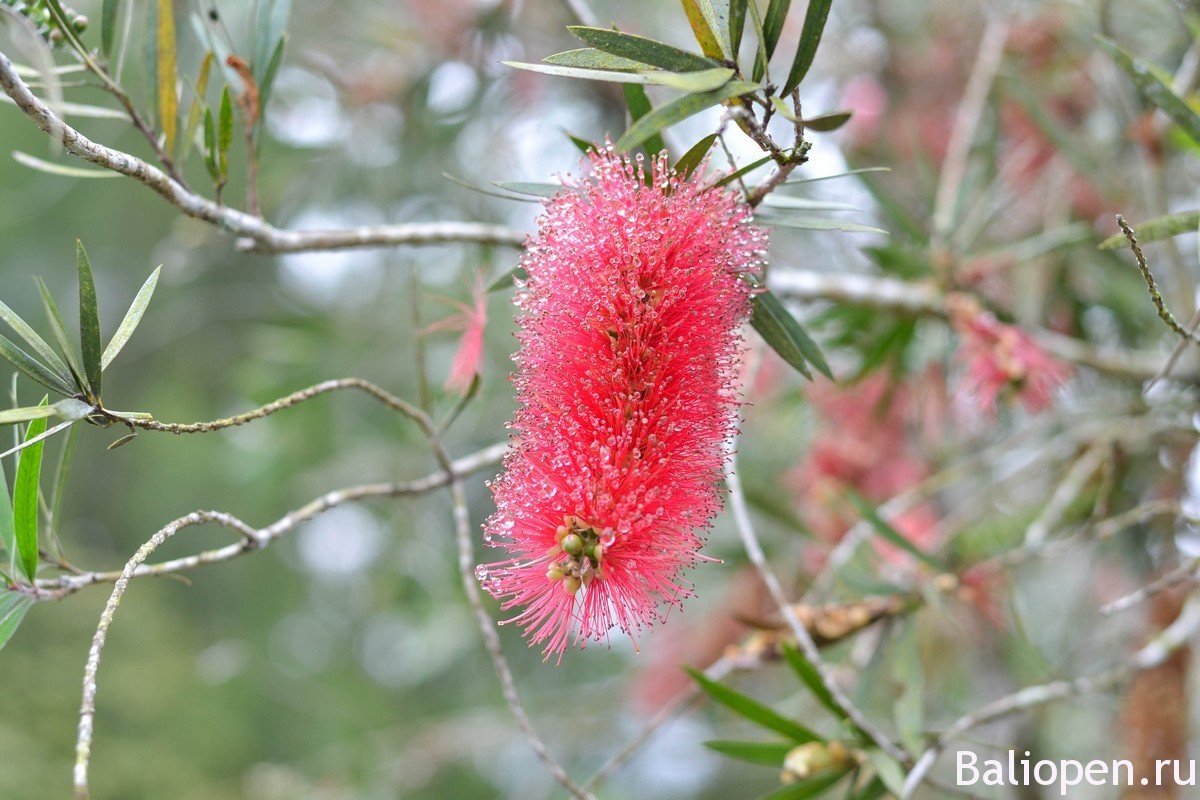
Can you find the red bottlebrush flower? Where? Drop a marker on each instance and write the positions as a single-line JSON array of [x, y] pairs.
[[1001, 360], [626, 381]]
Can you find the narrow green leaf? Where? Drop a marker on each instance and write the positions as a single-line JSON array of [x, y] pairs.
[[505, 281], [810, 36], [133, 318], [733, 176], [847, 173], [530, 188], [887, 772], [89, 321], [760, 51], [678, 110], [53, 362], [772, 27], [168, 99], [268, 79], [1156, 229], [210, 148], [643, 50], [591, 58], [25, 498], [867, 511], [690, 161], [811, 786], [780, 218], [108, 26], [502, 195], [874, 790], [51, 168], [12, 612], [62, 474], [785, 202], [769, 753], [753, 710], [639, 106], [786, 335], [8, 537], [812, 679], [11, 416], [909, 675], [195, 115], [124, 440], [826, 123], [737, 24], [701, 81], [38, 439], [711, 35], [224, 133], [1154, 89], [582, 73], [32, 369], [79, 109], [582, 144], [59, 329]]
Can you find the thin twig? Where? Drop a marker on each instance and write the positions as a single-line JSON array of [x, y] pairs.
[[58, 588], [295, 398], [87, 710], [741, 519], [1067, 491], [1181, 574], [966, 120], [491, 640], [1150, 656], [255, 233], [1152, 286]]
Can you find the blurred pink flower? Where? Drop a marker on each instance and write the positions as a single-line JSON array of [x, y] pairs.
[[1002, 360], [471, 320], [627, 385]]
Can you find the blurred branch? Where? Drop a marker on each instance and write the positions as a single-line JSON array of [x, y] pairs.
[[1152, 655], [295, 398], [804, 639], [1152, 286], [255, 233], [491, 640], [924, 299], [258, 538], [966, 120]]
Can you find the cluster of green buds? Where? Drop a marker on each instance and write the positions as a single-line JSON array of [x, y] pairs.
[[38, 13], [578, 555]]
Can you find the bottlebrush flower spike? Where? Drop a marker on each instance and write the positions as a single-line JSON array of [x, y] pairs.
[[1002, 361], [626, 379]]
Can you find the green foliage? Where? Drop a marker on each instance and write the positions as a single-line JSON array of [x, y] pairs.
[[643, 50], [746, 706], [786, 335], [13, 606], [25, 498], [1154, 89], [814, 26], [649, 126]]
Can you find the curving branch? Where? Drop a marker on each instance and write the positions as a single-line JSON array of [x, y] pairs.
[[804, 639], [254, 233], [58, 588]]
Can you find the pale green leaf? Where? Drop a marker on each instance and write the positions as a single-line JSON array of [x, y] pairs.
[[591, 58], [643, 50], [168, 98], [133, 318], [678, 110], [49, 167]]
